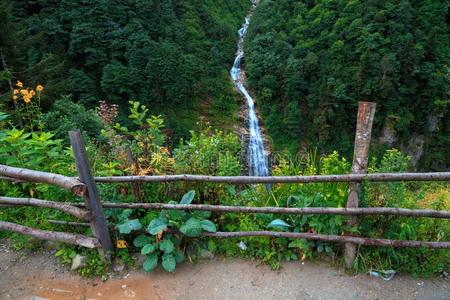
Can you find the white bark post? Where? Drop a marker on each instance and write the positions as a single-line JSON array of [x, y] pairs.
[[366, 113]]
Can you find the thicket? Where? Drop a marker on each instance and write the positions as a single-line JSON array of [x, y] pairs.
[[169, 237], [173, 54], [310, 62]]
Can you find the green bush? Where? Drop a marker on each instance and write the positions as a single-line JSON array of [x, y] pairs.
[[66, 115]]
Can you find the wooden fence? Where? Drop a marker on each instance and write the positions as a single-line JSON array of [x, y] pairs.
[[92, 209]]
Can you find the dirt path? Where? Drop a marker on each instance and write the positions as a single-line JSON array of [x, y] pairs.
[[38, 275]]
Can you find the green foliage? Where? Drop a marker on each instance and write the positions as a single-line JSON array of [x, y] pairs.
[[421, 261], [310, 62], [173, 54], [171, 236], [66, 115], [168, 235]]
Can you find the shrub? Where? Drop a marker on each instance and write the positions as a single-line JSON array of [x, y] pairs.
[[66, 115]]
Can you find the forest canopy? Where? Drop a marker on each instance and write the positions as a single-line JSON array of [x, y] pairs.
[[310, 62], [167, 54]]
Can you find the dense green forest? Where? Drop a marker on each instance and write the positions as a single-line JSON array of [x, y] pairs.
[[171, 55], [310, 62], [136, 75]]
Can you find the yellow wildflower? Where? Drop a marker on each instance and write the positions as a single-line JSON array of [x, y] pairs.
[[39, 88], [19, 84], [27, 99], [32, 93], [24, 92], [16, 92], [121, 244], [15, 98]]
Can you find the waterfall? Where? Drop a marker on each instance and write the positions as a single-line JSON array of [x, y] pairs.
[[257, 157]]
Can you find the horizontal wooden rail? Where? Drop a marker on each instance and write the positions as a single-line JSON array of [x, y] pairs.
[[65, 207], [20, 174], [306, 235], [437, 176], [331, 238], [68, 223], [70, 238], [287, 210], [13, 180]]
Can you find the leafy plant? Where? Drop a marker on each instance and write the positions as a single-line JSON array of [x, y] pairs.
[[168, 234]]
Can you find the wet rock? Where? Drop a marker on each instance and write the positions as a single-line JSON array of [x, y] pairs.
[[78, 261], [388, 134], [415, 149], [118, 265], [139, 259], [205, 254], [433, 121]]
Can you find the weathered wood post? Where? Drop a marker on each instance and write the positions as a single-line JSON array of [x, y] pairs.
[[91, 198], [366, 113]]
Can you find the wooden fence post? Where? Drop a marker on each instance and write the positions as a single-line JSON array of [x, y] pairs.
[[91, 198], [366, 113]]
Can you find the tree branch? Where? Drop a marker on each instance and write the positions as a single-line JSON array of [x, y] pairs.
[[287, 210], [331, 238], [70, 238], [379, 177], [67, 208], [68, 183]]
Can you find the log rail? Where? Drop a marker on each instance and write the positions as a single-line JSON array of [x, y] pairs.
[[78, 210], [374, 177], [91, 210]]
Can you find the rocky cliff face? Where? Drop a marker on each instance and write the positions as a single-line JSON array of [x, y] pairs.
[[416, 146]]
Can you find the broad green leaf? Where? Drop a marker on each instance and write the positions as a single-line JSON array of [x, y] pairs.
[[129, 225], [212, 246], [207, 225], [176, 214], [3, 116], [278, 224], [166, 245], [147, 249], [299, 243], [141, 240], [156, 226], [125, 214], [179, 256], [320, 248], [168, 262], [188, 197], [150, 262], [201, 214], [192, 228]]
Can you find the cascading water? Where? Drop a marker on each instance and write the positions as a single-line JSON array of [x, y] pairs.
[[257, 157]]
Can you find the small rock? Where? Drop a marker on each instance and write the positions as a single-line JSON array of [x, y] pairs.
[[242, 246], [206, 254], [118, 265], [445, 274], [78, 261], [139, 259], [52, 245]]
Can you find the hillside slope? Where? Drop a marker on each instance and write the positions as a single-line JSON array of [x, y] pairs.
[[171, 55], [310, 62]]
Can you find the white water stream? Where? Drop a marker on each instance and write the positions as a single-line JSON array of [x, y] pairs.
[[257, 157]]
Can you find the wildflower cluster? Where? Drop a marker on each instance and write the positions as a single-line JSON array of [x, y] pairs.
[[26, 93], [107, 112], [28, 103]]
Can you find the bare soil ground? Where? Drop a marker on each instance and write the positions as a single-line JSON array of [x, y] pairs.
[[28, 275]]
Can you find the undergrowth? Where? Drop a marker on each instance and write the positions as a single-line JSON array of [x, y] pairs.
[[169, 237]]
